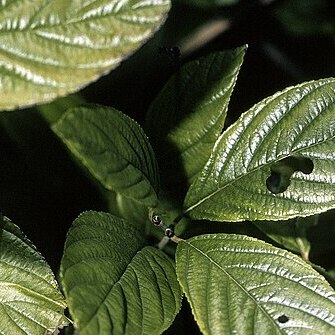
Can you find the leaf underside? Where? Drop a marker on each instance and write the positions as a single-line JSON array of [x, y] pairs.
[[52, 48], [30, 301], [297, 122], [239, 285]]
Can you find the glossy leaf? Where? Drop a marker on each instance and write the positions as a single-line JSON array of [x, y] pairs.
[[115, 150], [30, 301], [239, 285], [297, 125], [52, 48], [113, 284], [188, 115]]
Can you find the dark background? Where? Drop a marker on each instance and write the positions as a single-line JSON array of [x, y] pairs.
[[43, 190]]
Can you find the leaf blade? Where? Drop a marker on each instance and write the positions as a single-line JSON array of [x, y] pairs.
[[276, 128], [237, 284], [124, 283], [30, 303], [188, 115], [50, 49], [115, 150]]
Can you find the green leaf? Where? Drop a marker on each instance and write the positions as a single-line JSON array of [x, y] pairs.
[[132, 211], [115, 150], [291, 234], [188, 115], [112, 284], [295, 127], [239, 285], [329, 275], [30, 301], [52, 48], [53, 111]]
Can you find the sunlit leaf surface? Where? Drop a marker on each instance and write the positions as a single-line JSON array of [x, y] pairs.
[[113, 284], [52, 48], [239, 285], [30, 301], [276, 162]]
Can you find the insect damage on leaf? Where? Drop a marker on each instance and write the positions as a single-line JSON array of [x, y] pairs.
[[282, 171], [283, 319]]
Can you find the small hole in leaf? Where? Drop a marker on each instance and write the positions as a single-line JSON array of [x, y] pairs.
[[282, 171], [283, 319], [277, 183], [307, 166]]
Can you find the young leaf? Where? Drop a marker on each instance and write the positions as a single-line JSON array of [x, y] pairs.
[[188, 115], [113, 285], [30, 301], [115, 150], [239, 285], [52, 48], [276, 162]]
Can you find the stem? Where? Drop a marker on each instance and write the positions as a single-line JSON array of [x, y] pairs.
[[163, 242]]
